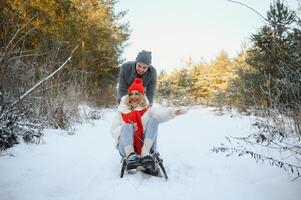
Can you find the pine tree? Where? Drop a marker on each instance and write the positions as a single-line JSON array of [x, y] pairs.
[[274, 57]]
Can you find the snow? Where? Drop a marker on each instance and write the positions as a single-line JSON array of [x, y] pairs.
[[87, 166]]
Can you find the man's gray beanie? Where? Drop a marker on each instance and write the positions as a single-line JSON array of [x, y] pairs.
[[144, 57]]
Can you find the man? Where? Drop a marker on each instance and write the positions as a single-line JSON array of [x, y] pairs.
[[141, 68]]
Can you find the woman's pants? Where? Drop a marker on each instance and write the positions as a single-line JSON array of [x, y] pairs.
[[127, 135]]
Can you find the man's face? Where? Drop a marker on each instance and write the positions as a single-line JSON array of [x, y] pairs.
[[141, 68]]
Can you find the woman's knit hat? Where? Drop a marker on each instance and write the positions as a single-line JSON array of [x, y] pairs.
[[137, 85]]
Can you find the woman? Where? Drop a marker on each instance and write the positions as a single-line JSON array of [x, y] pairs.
[[135, 126]]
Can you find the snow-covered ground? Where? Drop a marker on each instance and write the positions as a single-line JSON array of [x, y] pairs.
[[87, 166]]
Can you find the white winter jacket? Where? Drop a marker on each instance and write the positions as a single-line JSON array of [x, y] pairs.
[[159, 113]]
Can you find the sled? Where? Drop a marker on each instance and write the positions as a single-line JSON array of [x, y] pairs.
[[145, 168]]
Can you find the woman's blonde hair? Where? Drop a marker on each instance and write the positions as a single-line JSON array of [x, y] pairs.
[[142, 103]]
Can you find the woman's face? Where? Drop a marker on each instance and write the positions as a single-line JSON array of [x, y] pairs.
[[135, 97]]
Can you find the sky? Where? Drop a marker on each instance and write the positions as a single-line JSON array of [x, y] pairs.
[[177, 30]]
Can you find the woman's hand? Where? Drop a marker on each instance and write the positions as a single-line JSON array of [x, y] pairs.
[[135, 126], [180, 111]]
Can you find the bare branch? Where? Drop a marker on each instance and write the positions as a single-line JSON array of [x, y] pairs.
[[237, 2], [26, 55], [294, 169], [39, 83], [19, 31]]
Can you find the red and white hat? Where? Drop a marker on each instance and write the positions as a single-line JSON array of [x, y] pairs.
[[137, 85]]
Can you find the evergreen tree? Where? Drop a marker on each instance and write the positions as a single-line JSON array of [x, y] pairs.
[[274, 59], [61, 25]]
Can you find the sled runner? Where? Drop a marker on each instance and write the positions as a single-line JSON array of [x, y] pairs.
[[147, 166]]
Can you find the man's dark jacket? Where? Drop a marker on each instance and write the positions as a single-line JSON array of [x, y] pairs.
[[128, 73]]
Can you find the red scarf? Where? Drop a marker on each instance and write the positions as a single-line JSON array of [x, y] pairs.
[[135, 117]]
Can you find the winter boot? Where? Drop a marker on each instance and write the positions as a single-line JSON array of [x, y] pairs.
[[152, 171], [149, 166], [132, 161]]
